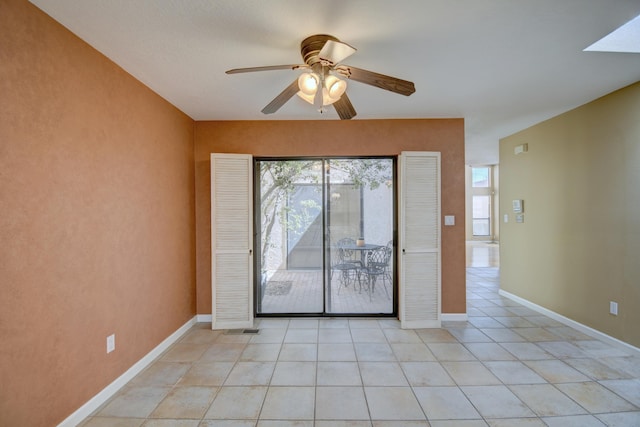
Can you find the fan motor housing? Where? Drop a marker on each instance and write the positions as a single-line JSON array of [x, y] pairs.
[[311, 46]]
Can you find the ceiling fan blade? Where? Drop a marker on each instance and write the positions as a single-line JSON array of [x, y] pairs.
[[267, 68], [344, 108], [389, 83], [281, 99], [335, 52]]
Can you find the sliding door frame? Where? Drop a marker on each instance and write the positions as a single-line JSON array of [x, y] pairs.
[[257, 274]]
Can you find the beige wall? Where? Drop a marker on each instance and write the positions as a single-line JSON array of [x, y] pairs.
[[97, 219], [579, 246], [334, 138]]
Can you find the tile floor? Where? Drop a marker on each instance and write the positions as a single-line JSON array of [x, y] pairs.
[[506, 366]]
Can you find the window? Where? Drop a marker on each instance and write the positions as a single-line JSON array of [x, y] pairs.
[[482, 201], [480, 177], [481, 215]]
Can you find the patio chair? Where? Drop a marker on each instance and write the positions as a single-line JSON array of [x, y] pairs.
[[378, 265], [344, 261]]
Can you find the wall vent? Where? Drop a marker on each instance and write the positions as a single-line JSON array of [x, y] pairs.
[[241, 331]]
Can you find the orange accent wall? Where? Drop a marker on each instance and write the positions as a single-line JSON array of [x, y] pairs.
[[105, 213], [97, 211], [337, 138]]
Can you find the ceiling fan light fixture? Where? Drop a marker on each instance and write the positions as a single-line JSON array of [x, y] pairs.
[[332, 88], [326, 98], [306, 97], [308, 83], [335, 86]]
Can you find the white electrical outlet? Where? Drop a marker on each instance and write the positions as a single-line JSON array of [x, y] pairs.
[[613, 308], [111, 343]]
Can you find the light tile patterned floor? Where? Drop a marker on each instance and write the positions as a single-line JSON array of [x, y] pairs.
[[506, 366]]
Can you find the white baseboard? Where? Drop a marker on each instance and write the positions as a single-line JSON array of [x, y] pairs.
[[96, 401], [204, 318], [445, 317], [594, 333], [454, 317]]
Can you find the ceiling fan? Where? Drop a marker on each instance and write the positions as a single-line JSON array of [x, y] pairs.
[[321, 85]]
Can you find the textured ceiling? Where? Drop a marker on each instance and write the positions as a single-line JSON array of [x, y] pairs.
[[502, 65]]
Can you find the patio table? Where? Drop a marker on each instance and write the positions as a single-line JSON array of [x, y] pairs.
[[363, 249]]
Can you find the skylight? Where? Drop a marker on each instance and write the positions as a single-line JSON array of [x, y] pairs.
[[624, 39]]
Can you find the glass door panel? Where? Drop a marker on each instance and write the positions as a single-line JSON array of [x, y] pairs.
[[290, 245], [360, 225]]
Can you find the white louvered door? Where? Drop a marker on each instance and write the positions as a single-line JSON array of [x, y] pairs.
[[419, 243], [231, 241]]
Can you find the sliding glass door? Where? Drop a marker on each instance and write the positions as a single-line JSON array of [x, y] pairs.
[[325, 232]]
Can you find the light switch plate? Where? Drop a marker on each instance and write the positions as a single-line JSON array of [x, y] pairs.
[[449, 220]]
